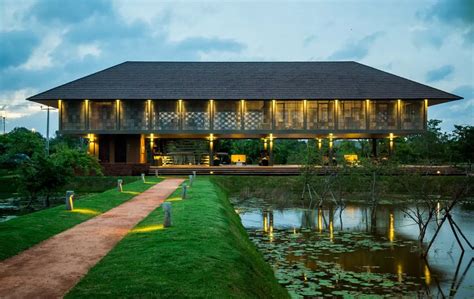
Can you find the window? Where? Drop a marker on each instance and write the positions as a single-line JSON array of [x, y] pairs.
[[412, 115], [289, 115], [258, 115], [133, 115], [103, 115], [383, 115], [351, 115], [73, 115], [320, 115]]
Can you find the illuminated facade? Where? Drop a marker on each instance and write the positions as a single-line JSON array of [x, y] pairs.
[[127, 110]]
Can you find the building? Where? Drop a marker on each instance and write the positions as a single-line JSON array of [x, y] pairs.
[[135, 112]]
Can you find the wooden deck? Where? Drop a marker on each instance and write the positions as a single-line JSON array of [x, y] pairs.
[[285, 170], [227, 170]]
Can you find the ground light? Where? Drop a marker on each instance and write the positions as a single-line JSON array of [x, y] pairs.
[[69, 200]]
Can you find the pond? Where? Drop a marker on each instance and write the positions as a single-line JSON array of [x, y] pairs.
[[317, 253]]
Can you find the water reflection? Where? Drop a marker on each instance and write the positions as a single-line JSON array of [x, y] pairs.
[[389, 227]]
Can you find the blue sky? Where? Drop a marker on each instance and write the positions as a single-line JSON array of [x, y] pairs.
[[50, 42]]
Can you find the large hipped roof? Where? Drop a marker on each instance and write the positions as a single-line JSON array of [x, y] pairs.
[[242, 80]]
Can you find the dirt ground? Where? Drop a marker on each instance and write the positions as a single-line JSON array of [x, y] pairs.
[[51, 268]]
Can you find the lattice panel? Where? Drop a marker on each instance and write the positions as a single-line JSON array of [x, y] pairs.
[[196, 121], [168, 121], [254, 120], [227, 121], [102, 116], [384, 116], [134, 116]]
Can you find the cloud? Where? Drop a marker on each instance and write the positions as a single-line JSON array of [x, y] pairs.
[[68, 11], [440, 73], [457, 112], [455, 13], [88, 50], [205, 44], [41, 56], [356, 50], [424, 37], [16, 47]]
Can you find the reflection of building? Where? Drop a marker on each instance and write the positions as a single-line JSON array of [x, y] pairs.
[[130, 111]]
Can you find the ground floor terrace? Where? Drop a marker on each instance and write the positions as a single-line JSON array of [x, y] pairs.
[[215, 151]]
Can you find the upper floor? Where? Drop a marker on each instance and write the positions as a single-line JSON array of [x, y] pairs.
[[292, 118]]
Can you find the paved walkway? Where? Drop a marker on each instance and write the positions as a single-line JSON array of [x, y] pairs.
[[51, 268]]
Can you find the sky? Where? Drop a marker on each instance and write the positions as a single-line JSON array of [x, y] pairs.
[[50, 42]]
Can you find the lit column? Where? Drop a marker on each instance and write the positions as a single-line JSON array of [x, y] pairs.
[[150, 149], [142, 149], [60, 115], [273, 114], [211, 114], [305, 114], [399, 114], [149, 114], [180, 114], [117, 115], [320, 143], [211, 149], [390, 144], [86, 114], [425, 114], [93, 147], [242, 114], [270, 149], [367, 114], [331, 144]]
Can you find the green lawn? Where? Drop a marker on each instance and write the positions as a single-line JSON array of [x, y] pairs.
[[25, 231], [205, 254]]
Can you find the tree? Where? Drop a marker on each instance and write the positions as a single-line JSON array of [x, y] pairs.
[[462, 144], [42, 175], [431, 146], [76, 161], [20, 142]]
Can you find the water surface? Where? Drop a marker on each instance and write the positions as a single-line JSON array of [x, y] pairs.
[[322, 252]]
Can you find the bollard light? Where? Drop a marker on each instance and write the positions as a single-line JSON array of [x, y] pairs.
[[191, 180], [69, 200], [183, 192], [167, 211], [194, 174], [119, 185], [156, 172], [143, 177]]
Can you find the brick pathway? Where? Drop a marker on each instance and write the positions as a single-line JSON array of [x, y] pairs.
[[51, 268]]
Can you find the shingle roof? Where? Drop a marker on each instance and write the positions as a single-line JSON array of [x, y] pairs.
[[242, 80]]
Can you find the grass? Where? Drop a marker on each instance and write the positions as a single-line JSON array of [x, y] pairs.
[[206, 253], [25, 231]]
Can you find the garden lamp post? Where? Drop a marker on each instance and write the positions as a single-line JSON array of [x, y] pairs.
[[47, 127]]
